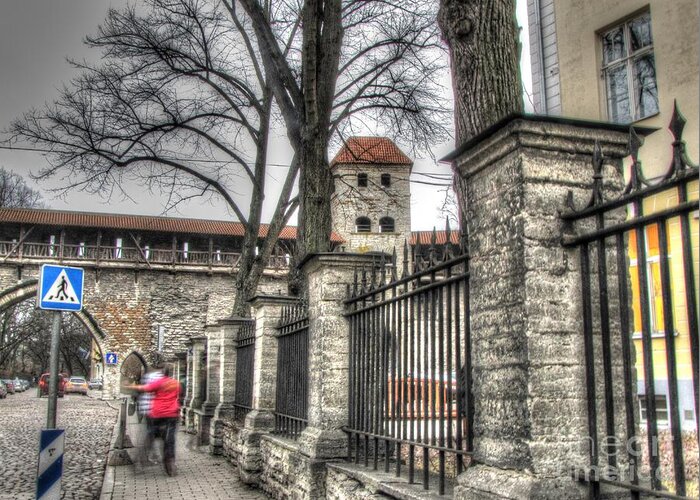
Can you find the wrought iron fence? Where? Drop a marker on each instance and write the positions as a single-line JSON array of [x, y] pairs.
[[291, 398], [245, 356], [410, 402], [639, 293]]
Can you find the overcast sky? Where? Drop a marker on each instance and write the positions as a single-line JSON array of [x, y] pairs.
[[36, 37]]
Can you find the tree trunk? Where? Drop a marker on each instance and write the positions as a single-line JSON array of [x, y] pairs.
[[482, 36], [316, 184], [322, 39], [247, 276]]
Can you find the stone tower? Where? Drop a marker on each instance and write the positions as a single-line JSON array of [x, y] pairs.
[[372, 200]]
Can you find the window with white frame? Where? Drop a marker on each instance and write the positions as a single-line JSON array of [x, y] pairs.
[[363, 225], [661, 405], [629, 70], [386, 225], [118, 248], [650, 300]]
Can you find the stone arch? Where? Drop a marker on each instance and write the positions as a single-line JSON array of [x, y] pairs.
[[28, 289], [132, 368]]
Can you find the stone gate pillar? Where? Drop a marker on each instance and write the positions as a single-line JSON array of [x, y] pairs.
[[188, 383], [212, 385], [329, 335], [227, 380], [530, 420], [267, 310], [195, 402]]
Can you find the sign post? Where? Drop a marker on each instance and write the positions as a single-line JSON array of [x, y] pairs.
[[60, 289], [48, 477], [53, 370]]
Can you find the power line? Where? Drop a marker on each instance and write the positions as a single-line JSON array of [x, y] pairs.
[[436, 176]]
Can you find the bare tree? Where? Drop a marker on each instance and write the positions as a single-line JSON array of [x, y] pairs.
[[352, 61], [181, 105], [76, 345], [187, 91], [14, 192]]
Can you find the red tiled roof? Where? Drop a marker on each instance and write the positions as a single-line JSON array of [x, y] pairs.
[[62, 218], [377, 150], [426, 237]]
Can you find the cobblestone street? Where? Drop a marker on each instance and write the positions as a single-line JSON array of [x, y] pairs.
[[88, 423]]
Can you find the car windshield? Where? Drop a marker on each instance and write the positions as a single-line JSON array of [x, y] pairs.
[[77, 380]]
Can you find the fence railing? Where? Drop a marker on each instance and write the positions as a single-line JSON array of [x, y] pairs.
[[127, 254], [245, 356], [639, 293], [291, 398], [410, 401]]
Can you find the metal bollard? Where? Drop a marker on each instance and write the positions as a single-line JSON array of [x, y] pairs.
[[118, 455]]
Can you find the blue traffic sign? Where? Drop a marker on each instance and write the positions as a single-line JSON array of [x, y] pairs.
[[48, 478], [111, 358], [60, 288]]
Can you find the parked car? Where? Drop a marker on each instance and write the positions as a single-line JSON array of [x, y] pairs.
[[76, 385], [10, 385], [19, 385], [3, 390], [44, 385], [95, 383]]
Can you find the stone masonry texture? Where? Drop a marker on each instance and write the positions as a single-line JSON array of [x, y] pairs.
[[129, 306], [527, 350]]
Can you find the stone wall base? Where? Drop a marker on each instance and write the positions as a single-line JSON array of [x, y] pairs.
[[482, 482], [203, 417], [287, 473], [230, 437]]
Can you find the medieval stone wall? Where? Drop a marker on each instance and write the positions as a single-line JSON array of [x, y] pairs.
[[130, 305]]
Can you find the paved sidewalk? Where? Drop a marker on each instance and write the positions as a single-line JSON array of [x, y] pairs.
[[198, 476]]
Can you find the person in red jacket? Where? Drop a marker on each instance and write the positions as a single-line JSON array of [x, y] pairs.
[[164, 413]]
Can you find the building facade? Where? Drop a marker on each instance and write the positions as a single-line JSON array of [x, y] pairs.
[[628, 62]]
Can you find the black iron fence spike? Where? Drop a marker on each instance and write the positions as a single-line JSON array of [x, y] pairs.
[[634, 143], [382, 272], [677, 124], [404, 270], [597, 174]]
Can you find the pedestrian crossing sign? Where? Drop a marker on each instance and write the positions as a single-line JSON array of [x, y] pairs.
[[60, 288]]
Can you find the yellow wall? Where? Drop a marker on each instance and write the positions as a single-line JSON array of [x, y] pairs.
[[652, 204], [676, 50]]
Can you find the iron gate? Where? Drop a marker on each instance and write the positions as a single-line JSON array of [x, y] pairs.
[[640, 297], [410, 369], [245, 356]]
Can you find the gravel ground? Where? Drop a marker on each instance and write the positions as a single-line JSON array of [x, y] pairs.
[[88, 423]]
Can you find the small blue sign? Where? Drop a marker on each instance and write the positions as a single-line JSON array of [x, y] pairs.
[[111, 358], [60, 288], [48, 478]]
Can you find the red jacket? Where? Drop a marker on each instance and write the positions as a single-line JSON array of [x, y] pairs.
[[165, 398]]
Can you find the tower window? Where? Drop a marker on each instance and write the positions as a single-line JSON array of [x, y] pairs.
[[386, 225], [363, 225], [386, 180], [361, 180]]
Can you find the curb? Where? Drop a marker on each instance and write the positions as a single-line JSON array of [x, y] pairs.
[[108, 479]]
